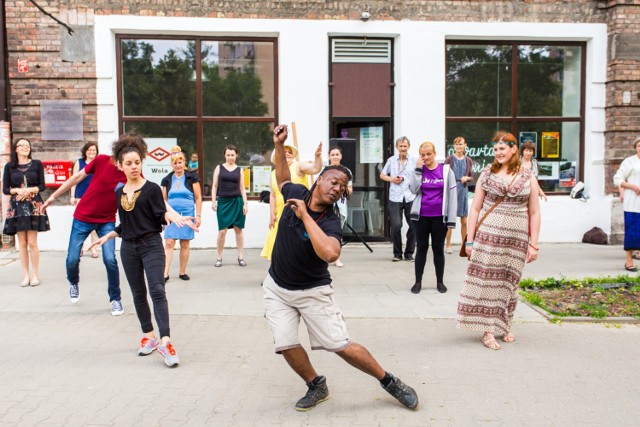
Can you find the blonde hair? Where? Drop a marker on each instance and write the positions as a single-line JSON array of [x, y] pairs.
[[427, 144], [176, 153]]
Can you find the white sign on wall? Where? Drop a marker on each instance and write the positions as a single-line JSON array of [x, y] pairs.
[[157, 164], [371, 144]]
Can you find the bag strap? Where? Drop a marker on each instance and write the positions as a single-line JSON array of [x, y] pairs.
[[494, 205]]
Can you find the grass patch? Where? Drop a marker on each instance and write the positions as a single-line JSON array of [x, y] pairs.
[[596, 297]]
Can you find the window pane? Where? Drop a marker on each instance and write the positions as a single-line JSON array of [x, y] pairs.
[[478, 137], [254, 142], [478, 80], [182, 134], [238, 78], [158, 77], [557, 153], [549, 80]]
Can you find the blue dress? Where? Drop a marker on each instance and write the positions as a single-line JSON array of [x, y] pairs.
[[182, 201], [460, 170]]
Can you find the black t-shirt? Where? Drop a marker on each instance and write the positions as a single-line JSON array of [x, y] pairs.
[[294, 263], [147, 215]]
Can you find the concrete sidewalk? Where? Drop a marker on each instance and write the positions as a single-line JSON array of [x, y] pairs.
[[69, 364]]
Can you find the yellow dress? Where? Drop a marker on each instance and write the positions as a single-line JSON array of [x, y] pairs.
[[271, 235]]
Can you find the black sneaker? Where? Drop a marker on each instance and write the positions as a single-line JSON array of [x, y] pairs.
[[318, 392], [396, 258], [409, 258], [405, 394]]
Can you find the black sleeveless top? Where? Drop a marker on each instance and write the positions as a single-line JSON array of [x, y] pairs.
[[228, 182]]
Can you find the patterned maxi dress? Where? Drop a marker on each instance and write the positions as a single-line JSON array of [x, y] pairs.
[[490, 292]]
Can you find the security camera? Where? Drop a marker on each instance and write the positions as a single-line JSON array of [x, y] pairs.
[[365, 15]]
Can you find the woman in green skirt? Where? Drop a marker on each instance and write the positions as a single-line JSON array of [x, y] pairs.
[[229, 202]]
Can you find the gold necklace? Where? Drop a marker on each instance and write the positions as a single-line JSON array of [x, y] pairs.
[[129, 205]]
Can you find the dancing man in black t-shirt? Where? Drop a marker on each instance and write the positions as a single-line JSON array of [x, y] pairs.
[[299, 283]]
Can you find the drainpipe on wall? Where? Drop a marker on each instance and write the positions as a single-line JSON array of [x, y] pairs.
[[5, 126]]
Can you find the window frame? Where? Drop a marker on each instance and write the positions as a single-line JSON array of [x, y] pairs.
[[199, 118], [514, 118]]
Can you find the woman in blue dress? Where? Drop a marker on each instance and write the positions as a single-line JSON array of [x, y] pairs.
[[462, 167], [181, 189], [89, 152]]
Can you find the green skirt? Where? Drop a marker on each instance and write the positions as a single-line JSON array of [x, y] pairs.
[[229, 212]]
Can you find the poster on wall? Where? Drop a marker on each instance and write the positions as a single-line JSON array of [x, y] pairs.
[[61, 120], [371, 144], [531, 137], [261, 178], [550, 145], [157, 164], [548, 171], [567, 174]]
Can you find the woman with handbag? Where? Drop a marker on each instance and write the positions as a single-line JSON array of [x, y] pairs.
[[506, 202], [23, 180], [433, 211]]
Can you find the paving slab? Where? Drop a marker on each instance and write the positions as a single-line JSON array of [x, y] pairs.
[[67, 364]]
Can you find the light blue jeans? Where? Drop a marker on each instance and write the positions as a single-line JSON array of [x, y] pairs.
[[79, 233]]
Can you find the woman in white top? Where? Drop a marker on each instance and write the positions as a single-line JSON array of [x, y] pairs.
[[628, 179]]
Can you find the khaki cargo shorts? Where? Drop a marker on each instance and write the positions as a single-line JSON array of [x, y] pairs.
[[325, 324]]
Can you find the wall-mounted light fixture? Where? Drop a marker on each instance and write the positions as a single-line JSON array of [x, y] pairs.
[[365, 14]]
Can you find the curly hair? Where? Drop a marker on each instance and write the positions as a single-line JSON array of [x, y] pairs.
[[86, 147], [127, 143], [504, 137]]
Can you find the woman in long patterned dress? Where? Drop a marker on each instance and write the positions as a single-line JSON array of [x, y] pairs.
[[499, 248], [23, 180], [628, 179]]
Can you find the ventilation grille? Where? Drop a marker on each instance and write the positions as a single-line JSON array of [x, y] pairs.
[[361, 50]]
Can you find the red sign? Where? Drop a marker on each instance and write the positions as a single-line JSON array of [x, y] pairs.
[[56, 172], [23, 66], [159, 154]]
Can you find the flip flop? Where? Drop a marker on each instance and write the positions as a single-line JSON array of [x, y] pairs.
[[633, 268]]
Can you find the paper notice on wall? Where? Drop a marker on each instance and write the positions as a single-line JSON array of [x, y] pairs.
[[371, 144], [261, 178], [567, 174], [157, 164]]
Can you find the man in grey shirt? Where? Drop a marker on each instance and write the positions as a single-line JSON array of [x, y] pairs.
[[397, 172]]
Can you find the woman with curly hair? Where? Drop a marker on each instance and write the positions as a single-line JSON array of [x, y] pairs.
[[142, 213]]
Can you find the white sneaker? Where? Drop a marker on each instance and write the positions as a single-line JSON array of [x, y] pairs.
[[116, 308], [74, 293]]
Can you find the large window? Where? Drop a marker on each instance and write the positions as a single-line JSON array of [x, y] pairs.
[[203, 94], [534, 91]]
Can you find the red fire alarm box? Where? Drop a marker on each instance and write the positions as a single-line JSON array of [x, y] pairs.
[[56, 172]]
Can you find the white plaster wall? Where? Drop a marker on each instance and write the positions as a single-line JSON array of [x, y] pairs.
[[418, 104]]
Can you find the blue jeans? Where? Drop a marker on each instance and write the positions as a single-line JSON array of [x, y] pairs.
[[79, 233]]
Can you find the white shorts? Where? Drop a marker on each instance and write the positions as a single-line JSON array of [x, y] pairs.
[[283, 309]]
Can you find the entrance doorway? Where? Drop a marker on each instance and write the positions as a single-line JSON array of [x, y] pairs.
[[367, 206]]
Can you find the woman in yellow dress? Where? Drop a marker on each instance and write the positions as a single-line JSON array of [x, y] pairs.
[[300, 172]]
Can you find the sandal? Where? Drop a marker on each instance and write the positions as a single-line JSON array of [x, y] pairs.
[[94, 254], [508, 337], [490, 342], [241, 262], [218, 262], [632, 268]]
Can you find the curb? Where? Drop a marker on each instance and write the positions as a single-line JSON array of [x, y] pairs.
[[579, 319]]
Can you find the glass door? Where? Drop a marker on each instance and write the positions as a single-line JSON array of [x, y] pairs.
[[366, 207]]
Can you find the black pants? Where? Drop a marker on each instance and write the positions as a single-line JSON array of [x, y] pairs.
[[140, 256], [396, 211], [430, 226]]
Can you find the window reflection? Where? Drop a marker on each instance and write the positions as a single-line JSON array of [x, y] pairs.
[[153, 72]]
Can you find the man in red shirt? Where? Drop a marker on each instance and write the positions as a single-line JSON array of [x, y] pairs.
[[96, 211]]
